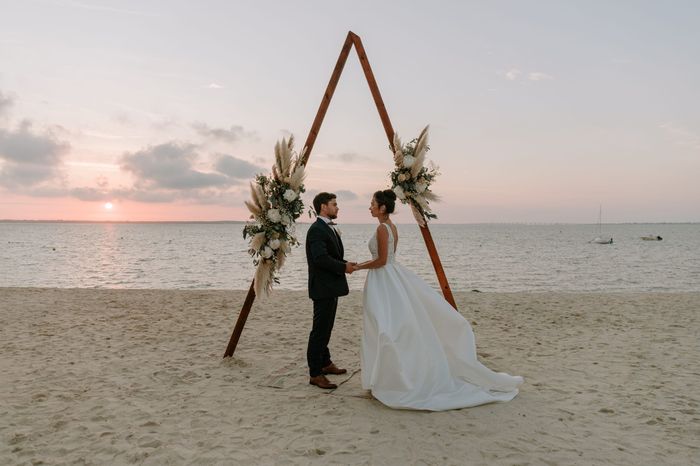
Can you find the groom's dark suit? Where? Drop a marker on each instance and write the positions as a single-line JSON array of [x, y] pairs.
[[324, 256]]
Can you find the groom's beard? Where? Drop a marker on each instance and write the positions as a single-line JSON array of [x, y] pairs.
[[333, 217]]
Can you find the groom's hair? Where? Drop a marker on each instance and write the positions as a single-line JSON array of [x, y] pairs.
[[322, 198]]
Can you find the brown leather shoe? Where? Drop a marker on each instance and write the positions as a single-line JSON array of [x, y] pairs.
[[322, 382], [332, 369]]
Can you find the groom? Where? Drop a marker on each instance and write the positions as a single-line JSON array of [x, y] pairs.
[[327, 269]]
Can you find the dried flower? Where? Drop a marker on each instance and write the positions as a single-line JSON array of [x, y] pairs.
[[274, 206], [411, 179]]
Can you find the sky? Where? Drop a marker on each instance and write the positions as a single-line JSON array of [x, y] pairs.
[[539, 111]]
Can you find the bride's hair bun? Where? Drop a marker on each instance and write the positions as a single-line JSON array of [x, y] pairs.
[[386, 198]]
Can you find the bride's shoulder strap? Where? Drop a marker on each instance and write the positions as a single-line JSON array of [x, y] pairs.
[[389, 230]]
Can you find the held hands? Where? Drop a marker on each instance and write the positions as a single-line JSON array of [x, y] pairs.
[[350, 267]]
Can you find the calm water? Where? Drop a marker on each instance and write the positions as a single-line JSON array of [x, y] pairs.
[[484, 257]]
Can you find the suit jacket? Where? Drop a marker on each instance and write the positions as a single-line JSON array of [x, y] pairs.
[[324, 256]]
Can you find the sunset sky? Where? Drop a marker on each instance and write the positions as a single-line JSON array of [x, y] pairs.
[[540, 111]]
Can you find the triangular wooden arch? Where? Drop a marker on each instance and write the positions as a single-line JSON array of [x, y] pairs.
[[351, 40]]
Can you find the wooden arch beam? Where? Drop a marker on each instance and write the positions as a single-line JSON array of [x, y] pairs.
[[351, 40]]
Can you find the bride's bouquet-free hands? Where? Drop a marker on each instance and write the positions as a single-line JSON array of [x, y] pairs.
[[359, 265]]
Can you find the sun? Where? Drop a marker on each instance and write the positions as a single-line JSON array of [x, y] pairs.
[[108, 205]]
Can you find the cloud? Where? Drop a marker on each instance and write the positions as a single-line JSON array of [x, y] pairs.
[[233, 134], [168, 172], [347, 157], [234, 167], [512, 74], [148, 195], [122, 118], [539, 76], [515, 74], [153, 197], [681, 135], [30, 158], [343, 195], [163, 123], [170, 166], [106, 9], [346, 195], [215, 86], [89, 194], [6, 102], [32, 162], [92, 194]]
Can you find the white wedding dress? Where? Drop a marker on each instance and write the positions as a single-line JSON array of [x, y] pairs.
[[417, 351]]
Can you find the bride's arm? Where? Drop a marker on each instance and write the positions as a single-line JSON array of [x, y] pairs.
[[382, 249]]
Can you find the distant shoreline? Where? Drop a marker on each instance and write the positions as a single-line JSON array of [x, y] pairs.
[[122, 221], [240, 222], [280, 292]]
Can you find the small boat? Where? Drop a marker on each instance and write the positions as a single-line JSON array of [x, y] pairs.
[[600, 239], [652, 238]]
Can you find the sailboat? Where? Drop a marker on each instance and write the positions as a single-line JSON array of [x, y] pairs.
[[600, 239]]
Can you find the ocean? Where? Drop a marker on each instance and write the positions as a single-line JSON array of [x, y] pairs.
[[484, 257]]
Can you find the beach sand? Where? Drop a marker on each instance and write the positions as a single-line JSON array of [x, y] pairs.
[[136, 376]]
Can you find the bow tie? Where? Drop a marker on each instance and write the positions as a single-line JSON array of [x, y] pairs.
[[332, 223]]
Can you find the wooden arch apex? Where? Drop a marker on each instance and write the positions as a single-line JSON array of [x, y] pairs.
[[351, 40]]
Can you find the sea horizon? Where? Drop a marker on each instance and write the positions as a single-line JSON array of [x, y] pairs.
[[690, 222], [487, 257]]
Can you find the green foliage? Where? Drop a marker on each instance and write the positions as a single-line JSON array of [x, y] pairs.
[[414, 188]]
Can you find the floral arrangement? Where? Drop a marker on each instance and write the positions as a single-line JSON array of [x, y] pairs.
[[274, 206], [411, 179]]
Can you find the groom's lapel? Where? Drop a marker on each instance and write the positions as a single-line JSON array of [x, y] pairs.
[[333, 234], [340, 243]]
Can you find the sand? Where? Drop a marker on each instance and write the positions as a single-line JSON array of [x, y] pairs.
[[136, 376]]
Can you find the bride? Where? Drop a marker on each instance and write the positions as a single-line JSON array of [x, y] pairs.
[[417, 351]]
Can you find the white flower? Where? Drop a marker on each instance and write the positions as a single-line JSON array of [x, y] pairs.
[[408, 161], [274, 244], [274, 215], [421, 187], [290, 195], [402, 177], [399, 192], [286, 220], [266, 252]]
